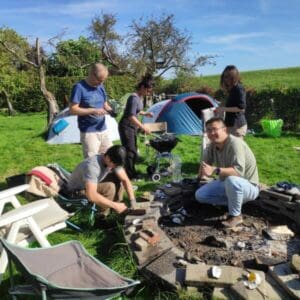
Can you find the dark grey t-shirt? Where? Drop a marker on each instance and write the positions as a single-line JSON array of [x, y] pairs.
[[91, 169], [237, 154]]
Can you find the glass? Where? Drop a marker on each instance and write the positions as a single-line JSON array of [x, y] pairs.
[[176, 168], [211, 130]]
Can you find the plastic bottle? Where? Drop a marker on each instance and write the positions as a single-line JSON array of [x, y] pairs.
[[176, 172]]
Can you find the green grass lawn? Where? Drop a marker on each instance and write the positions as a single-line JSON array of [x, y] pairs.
[[23, 147]]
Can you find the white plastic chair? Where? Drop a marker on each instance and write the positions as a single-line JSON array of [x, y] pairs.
[[34, 220]]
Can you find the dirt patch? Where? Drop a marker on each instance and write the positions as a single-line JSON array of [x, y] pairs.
[[202, 236]]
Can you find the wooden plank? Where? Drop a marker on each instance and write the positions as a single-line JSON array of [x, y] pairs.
[[272, 195]]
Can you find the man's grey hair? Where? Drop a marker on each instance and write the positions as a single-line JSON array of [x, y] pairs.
[[99, 69]]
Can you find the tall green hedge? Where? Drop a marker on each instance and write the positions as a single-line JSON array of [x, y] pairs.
[[27, 97], [25, 94]]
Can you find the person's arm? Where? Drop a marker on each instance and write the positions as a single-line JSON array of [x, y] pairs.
[[75, 109], [135, 121], [121, 173], [208, 170], [98, 199], [146, 114]]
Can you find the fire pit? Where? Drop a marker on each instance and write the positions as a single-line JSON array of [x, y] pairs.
[[184, 252]]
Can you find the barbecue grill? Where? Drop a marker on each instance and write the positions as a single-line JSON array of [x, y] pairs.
[[164, 143]]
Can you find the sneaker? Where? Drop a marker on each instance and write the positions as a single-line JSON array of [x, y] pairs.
[[233, 221]]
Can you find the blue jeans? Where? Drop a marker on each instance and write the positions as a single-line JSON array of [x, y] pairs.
[[232, 192]]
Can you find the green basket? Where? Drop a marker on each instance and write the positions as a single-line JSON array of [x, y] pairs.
[[272, 127]]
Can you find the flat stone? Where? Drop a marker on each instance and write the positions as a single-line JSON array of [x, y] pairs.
[[149, 253], [140, 244], [287, 279], [267, 260], [142, 205], [279, 233], [199, 275], [147, 196], [264, 291], [222, 294], [295, 263], [164, 267]]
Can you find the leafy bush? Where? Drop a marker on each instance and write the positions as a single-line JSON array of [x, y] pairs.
[[274, 104], [25, 95]]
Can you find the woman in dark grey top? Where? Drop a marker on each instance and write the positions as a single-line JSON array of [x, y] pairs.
[[235, 106], [129, 123]]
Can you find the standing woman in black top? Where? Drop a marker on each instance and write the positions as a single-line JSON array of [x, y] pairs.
[[129, 123], [235, 106]]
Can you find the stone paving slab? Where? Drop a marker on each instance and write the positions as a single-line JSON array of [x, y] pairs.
[[164, 268], [264, 291], [223, 294], [199, 275], [288, 280], [150, 252]]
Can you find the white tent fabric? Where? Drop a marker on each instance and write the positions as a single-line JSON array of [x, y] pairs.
[[71, 135]]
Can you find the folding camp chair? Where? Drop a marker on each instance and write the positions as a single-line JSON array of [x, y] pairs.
[[31, 221], [65, 271]]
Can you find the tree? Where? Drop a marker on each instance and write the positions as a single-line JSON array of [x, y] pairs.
[[153, 46], [109, 42], [10, 65], [22, 54], [72, 57]]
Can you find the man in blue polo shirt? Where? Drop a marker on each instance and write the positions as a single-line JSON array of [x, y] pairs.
[[89, 103]]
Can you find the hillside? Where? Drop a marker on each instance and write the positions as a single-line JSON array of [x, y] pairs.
[[279, 78]]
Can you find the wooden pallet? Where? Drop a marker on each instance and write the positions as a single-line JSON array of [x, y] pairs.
[[280, 204]]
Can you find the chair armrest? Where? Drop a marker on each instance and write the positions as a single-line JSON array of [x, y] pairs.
[[13, 191], [21, 213]]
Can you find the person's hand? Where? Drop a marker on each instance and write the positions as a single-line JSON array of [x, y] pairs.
[[119, 207], [206, 169], [146, 130], [100, 111], [149, 114]]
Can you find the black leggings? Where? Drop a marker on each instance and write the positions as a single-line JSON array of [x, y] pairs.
[[128, 136]]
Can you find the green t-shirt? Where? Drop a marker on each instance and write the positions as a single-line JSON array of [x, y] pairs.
[[236, 154]]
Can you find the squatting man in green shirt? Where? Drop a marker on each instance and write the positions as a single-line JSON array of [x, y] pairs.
[[89, 175], [231, 159]]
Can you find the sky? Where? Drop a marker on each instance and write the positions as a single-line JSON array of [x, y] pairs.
[[251, 34]]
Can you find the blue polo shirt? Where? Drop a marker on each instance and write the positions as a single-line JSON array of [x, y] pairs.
[[89, 97]]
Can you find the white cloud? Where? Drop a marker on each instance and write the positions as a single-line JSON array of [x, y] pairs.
[[233, 38], [73, 9], [225, 19]]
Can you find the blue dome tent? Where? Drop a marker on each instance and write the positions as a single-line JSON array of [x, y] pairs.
[[182, 113]]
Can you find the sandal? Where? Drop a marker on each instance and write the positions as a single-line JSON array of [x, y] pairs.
[[233, 221], [221, 218]]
